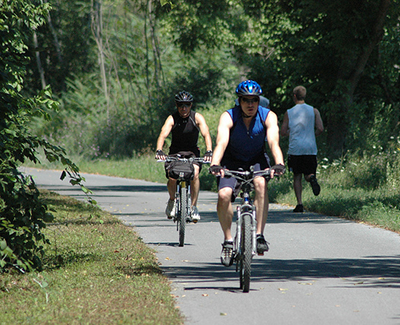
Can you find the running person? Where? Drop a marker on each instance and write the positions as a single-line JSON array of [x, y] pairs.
[[240, 144], [185, 126], [302, 123]]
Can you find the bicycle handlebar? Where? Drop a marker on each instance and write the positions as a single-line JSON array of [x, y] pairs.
[[247, 175], [190, 160]]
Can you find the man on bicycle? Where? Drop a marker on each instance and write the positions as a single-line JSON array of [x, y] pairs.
[[242, 132], [185, 126]]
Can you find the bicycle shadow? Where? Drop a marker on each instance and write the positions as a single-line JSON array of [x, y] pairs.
[[368, 272]]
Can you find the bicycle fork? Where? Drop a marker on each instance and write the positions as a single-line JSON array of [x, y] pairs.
[[182, 186], [240, 210]]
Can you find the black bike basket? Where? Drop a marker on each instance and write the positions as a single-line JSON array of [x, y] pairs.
[[182, 169]]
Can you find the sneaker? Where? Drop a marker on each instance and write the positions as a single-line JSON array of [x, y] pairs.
[[195, 214], [170, 211], [299, 208], [314, 184], [227, 253], [262, 245]]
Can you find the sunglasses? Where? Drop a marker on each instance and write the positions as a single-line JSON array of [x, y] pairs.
[[250, 101], [181, 105]]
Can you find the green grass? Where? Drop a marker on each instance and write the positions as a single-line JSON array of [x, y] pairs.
[[96, 271], [342, 197]]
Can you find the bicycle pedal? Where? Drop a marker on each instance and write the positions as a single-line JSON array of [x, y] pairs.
[[195, 220]]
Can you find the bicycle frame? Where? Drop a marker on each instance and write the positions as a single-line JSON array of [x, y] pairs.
[[246, 224], [182, 197], [247, 207]]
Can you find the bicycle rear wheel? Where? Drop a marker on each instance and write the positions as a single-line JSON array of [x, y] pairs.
[[182, 221], [245, 267]]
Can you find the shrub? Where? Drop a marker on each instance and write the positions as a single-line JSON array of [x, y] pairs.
[[22, 217]]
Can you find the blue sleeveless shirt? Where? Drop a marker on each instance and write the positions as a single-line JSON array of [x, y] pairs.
[[246, 145]]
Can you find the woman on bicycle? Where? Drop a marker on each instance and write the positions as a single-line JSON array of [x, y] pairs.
[[185, 126], [242, 131]]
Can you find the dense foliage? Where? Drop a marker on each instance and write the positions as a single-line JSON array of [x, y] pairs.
[[345, 53], [120, 87], [116, 67], [22, 214]]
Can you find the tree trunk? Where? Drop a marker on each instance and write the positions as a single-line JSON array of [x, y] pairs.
[[38, 61], [97, 29]]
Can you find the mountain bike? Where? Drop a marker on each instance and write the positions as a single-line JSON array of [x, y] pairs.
[[245, 245], [183, 172]]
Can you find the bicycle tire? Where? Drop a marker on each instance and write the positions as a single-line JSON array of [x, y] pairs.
[[246, 250], [241, 275], [182, 221]]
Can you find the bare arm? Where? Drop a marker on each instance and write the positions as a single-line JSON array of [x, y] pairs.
[[319, 126], [201, 122], [285, 125], [165, 131], [224, 126], [273, 138]]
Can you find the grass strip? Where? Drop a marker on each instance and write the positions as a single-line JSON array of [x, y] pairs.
[[96, 271]]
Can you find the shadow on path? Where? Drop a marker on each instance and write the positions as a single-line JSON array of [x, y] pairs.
[[368, 272]]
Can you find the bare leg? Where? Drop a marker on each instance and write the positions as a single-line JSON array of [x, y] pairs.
[[195, 186], [171, 185], [261, 203], [298, 187], [225, 212]]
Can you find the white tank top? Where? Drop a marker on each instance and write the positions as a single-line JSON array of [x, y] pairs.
[[301, 128]]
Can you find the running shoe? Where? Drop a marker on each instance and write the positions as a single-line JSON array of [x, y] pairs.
[[170, 211], [227, 253], [194, 214], [299, 208], [314, 185], [262, 245]]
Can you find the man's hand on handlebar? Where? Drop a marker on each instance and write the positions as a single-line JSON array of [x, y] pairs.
[[277, 170], [216, 170], [160, 155], [208, 156]]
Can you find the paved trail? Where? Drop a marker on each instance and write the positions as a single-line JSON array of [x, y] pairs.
[[319, 270]]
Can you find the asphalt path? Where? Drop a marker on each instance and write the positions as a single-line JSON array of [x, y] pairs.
[[319, 270]]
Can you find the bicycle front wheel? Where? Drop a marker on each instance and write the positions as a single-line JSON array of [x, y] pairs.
[[182, 221], [246, 251]]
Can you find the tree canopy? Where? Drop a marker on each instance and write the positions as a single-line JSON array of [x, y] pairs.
[[121, 62], [341, 51]]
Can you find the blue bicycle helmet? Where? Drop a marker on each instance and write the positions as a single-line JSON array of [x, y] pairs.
[[183, 96], [248, 88]]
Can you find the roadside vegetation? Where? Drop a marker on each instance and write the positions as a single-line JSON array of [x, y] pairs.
[[95, 271], [359, 189]]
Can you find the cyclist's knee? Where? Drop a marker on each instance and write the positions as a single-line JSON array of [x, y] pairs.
[[196, 171], [260, 184], [171, 181], [225, 194]]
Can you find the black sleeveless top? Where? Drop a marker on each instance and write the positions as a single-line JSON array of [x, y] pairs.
[[185, 134]]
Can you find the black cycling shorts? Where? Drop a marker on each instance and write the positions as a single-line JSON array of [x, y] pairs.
[[305, 164]]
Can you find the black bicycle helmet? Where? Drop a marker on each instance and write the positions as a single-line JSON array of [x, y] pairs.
[[183, 96], [248, 88]]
